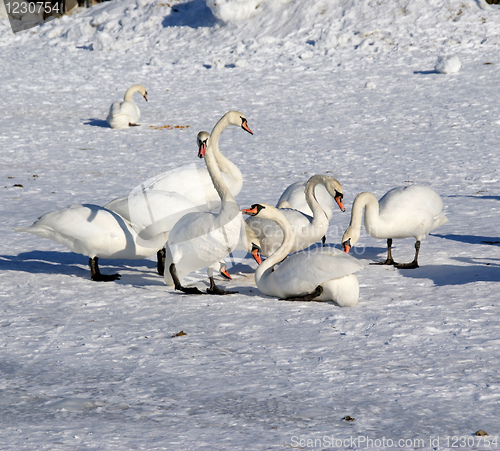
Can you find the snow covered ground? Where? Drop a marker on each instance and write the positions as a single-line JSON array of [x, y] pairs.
[[347, 88]]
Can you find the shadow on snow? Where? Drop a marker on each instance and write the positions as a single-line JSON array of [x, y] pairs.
[[194, 14]]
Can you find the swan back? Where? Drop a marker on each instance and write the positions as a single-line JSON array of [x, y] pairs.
[[403, 212], [93, 231]]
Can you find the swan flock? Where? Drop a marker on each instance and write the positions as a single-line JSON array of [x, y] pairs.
[[190, 219]]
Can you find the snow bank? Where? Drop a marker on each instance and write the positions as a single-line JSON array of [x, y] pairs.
[[262, 25]]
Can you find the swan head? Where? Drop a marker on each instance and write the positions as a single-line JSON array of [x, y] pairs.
[[334, 188], [202, 141], [350, 238], [258, 210], [265, 211], [238, 119]]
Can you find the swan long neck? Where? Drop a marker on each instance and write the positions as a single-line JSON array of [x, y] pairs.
[[372, 217], [216, 176], [310, 193], [225, 164], [266, 267], [130, 92]]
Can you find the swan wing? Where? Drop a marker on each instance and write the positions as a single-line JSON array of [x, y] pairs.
[[302, 272]]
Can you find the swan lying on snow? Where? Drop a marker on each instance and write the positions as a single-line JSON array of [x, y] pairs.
[[308, 230], [126, 113], [96, 232], [202, 239], [404, 212], [323, 274]]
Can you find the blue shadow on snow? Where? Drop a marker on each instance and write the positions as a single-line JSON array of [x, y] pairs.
[[97, 123], [194, 14], [69, 264]]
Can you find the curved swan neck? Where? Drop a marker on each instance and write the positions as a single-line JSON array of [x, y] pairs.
[[225, 165], [216, 176], [363, 200], [266, 267], [131, 91], [310, 193]]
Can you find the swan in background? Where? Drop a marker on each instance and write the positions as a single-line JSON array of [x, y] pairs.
[[195, 183], [126, 113], [323, 274], [155, 212], [404, 212], [96, 232], [308, 230], [294, 197], [202, 239]]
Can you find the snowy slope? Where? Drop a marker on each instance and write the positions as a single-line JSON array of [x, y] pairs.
[[347, 88]]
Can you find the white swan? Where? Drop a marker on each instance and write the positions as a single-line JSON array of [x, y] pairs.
[[294, 197], [202, 239], [126, 113], [323, 274], [155, 212], [195, 183], [96, 232], [404, 212], [308, 230]]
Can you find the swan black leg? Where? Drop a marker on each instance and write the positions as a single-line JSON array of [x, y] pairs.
[[95, 273], [214, 289], [414, 263], [160, 264], [389, 260], [177, 283], [323, 240], [307, 297]]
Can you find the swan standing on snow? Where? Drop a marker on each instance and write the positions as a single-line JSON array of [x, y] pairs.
[[195, 183], [96, 232], [404, 212], [155, 212], [202, 239], [126, 113], [323, 274], [308, 230]]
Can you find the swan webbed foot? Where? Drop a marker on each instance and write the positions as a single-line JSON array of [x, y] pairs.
[[219, 291], [133, 125], [105, 277], [414, 263], [189, 290], [388, 261], [411, 265], [160, 265], [307, 297], [95, 273], [177, 283], [214, 289]]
